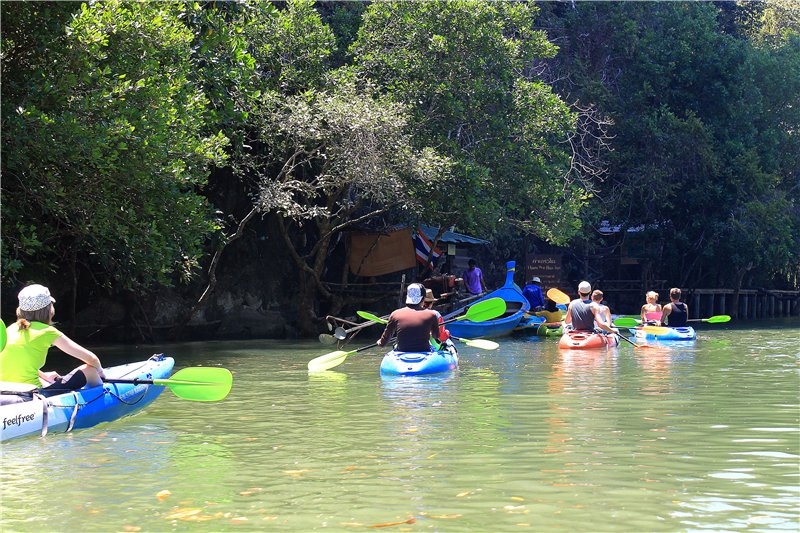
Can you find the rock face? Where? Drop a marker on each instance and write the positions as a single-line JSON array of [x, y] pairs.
[[246, 322]]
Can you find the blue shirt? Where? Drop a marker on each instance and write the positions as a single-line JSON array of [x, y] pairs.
[[533, 293]]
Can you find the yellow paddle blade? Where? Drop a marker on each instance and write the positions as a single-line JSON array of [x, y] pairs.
[[483, 344], [327, 361], [557, 296], [655, 330]]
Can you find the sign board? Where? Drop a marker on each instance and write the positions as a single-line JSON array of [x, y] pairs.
[[547, 267]]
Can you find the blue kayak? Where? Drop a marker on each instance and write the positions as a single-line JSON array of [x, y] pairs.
[[22, 415], [396, 363], [671, 334]]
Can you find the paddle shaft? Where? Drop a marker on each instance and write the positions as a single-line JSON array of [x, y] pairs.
[[632, 343]]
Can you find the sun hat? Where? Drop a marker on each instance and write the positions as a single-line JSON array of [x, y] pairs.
[[584, 287], [429, 296], [414, 293], [34, 297], [535, 279]]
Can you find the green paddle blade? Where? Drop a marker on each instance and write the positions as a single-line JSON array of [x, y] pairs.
[[484, 310], [200, 384], [624, 322], [3, 335], [371, 317], [717, 319]]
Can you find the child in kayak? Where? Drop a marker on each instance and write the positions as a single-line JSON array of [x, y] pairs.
[[29, 339]]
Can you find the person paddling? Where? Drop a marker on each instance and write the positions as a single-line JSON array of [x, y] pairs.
[[651, 310], [583, 315], [413, 325], [676, 313]]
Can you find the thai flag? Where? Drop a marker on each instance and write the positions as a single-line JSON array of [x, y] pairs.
[[423, 246]]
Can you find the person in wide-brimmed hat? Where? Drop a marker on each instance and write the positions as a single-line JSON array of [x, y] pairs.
[[427, 303], [28, 341]]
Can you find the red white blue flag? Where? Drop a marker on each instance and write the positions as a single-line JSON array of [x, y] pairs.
[[423, 245]]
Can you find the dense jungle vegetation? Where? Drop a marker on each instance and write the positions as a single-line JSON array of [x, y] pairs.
[[163, 154]]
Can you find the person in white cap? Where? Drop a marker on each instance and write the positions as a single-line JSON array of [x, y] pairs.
[[413, 325], [29, 339], [533, 293], [582, 315]]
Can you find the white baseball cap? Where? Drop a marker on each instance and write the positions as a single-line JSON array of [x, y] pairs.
[[415, 293], [584, 287], [536, 279], [34, 297]]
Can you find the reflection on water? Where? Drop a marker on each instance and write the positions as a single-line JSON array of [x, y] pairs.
[[672, 437]]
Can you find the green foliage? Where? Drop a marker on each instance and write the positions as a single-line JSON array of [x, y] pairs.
[[102, 152], [704, 128], [462, 67]]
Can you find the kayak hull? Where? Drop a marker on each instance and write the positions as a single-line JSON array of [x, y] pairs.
[[674, 334], [549, 331], [586, 340], [396, 363], [86, 407]]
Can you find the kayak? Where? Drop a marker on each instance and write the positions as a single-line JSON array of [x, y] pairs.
[[24, 414], [396, 363], [671, 334], [550, 330], [583, 340], [529, 324]]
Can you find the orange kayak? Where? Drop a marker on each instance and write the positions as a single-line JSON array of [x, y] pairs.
[[584, 340]]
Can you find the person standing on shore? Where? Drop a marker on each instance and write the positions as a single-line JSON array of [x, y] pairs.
[[473, 279]]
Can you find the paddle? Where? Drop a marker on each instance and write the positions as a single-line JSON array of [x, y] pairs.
[[200, 384], [656, 330], [717, 319], [484, 310], [625, 322], [483, 344], [330, 360], [3, 335], [633, 343], [557, 296]]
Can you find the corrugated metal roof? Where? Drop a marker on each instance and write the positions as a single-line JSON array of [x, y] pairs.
[[450, 237]]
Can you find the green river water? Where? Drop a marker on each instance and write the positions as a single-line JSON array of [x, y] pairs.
[[699, 436]]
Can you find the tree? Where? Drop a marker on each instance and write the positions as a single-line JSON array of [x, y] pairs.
[[464, 69], [103, 155], [343, 158]]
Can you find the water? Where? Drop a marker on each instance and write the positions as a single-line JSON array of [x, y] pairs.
[[700, 436]]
